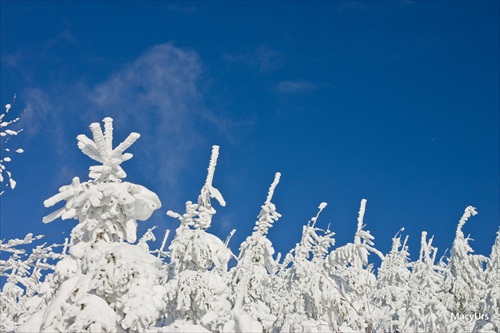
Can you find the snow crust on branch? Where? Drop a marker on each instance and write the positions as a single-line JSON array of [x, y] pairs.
[[108, 210]]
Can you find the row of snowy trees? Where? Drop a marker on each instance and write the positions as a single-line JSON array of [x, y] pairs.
[[102, 279]]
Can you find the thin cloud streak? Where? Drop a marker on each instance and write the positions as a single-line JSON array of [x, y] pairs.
[[38, 108], [183, 9], [158, 92], [263, 57], [293, 87]]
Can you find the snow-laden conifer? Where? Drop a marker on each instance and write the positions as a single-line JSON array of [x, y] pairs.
[[392, 292], [105, 283], [311, 299], [425, 311], [252, 276], [351, 263], [463, 276], [197, 293]]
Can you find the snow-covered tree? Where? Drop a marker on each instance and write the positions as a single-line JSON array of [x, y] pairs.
[[21, 294], [312, 299], [6, 132], [102, 279], [252, 276], [351, 263], [105, 283], [489, 306], [197, 293], [464, 275], [391, 294], [425, 311]]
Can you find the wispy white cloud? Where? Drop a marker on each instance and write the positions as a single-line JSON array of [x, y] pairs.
[[349, 5], [263, 57], [183, 9], [293, 87], [10, 60], [38, 107], [63, 36], [158, 93]]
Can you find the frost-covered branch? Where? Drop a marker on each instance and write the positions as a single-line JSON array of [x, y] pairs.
[[5, 134]]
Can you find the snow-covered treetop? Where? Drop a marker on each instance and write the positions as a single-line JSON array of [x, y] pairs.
[[469, 211], [356, 253], [427, 251], [311, 240], [268, 214], [105, 207], [360, 232], [208, 191], [200, 215], [101, 150]]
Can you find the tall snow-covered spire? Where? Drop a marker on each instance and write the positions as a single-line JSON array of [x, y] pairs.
[[361, 215], [275, 183], [268, 214], [100, 149], [206, 211]]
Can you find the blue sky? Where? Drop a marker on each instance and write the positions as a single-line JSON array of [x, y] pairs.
[[395, 101]]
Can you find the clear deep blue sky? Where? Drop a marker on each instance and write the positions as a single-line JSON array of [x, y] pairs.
[[395, 101]]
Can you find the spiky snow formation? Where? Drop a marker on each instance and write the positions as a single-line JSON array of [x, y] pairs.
[[5, 134], [100, 149]]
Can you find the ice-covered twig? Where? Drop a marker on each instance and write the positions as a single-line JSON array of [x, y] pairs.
[[212, 164], [270, 194], [469, 211], [320, 207], [229, 236], [5, 135], [161, 253], [361, 215]]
